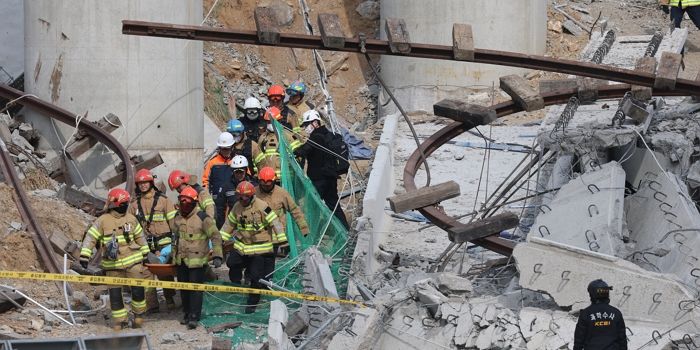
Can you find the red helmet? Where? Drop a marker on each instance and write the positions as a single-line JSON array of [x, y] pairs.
[[275, 90], [144, 175], [266, 174], [177, 178], [188, 192], [273, 112], [118, 196], [245, 188]]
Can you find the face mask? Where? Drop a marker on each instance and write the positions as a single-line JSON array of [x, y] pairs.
[[187, 207], [252, 114], [122, 208], [245, 201], [270, 128], [309, 129], [267, 187]]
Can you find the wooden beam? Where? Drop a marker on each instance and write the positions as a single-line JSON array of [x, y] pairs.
[[482, 228], [149, 161], [557, 86], [266, 25], [397, 34], [667, 73], [463, 42], [331, 30], [464, 112], [644, 65], [423, 197], [521, 92], [82, 142], [587, 89]]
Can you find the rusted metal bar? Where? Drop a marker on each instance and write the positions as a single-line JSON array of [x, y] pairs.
[[382, 47]]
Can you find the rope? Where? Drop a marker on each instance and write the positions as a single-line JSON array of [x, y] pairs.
[[9, 104]]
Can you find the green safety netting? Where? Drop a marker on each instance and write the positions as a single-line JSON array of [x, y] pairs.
[[326, 231]]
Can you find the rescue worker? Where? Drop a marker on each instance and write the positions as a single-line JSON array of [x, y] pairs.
[[193, 230], [275, 98], [253, 224], [155, 213], [241, 172], [253, 117], [242, 144], [281, 202], [678, 8], [123, 250], [217, 175], [316, 152], [179, 179], [268, 152], [297, 105], [600, 326]]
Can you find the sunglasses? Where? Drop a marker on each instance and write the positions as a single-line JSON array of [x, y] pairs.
[[241, 170]]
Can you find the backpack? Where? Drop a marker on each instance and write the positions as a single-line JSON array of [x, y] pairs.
[[337, 145]]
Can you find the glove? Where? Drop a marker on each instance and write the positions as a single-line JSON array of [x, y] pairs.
[[217, 262], [84, 263]]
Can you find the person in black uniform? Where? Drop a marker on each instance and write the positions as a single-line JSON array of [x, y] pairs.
[[600, 326]]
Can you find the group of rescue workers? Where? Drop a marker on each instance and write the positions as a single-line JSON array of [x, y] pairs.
[[239, 206]]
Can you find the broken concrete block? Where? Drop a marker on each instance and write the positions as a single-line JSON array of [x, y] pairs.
[[430, 297], [564, 271], [366, 328], [450, 283], [635, 111], [20, 141], [277, 338], [465, 325], [486, 338], [693, 178], [587, 212]]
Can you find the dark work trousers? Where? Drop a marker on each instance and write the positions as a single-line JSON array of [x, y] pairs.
[[677, 14], [256, 267], [327, 188], [191, 301]]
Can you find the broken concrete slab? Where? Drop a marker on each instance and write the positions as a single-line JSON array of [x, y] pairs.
[[587, 212], [366, 328], [430, 297], [277, 338], [564, 271], [450, 283]]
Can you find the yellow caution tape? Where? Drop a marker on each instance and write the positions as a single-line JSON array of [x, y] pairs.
[[138, 282]]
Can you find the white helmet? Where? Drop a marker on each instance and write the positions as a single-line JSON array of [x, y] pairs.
[[239, 162], [310, 116], [225, 140], [252, 102]]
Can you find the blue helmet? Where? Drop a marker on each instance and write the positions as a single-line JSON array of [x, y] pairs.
[[235, 126], [296, 88]]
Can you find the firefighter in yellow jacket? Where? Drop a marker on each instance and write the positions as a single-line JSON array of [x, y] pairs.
[[268, 152], [193, 229], [155, 213], [252, 223], [281, 202], [123, 250], [178, 180]]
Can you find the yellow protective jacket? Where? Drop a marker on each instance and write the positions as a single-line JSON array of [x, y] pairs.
[[282, 203], [253, 227], [206, 203], [164, 212], [129, 235], [192, 234], [684, 3], [296, 115], [267, 154]]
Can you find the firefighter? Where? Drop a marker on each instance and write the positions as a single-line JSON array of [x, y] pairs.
[[275, 98], [600, 326], [179, 179], [241, 172], [253, 224], [281, 202], [217, 175], [243, 145], [193, 229], [155, 213], [253, 117], [123, 250], [297, 105], [268, 152]]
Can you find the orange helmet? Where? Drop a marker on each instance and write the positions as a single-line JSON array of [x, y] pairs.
[[144, 175], [118, 196], [245, 188], [266, 174], [275, 90], [273, 112], [177, 178], [188, 192]]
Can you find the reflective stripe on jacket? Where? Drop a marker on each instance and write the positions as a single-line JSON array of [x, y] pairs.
[[128, 234], [253, 227], [193, 233]]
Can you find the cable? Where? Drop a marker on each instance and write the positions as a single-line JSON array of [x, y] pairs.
[[403, 113]]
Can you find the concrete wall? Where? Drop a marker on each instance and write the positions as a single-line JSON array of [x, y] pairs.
[[380, 185], [519, 26], [77, 58], [11, 39]]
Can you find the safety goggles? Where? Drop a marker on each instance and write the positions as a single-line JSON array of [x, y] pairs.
[[252, 111], [239, 170], [275, 98]]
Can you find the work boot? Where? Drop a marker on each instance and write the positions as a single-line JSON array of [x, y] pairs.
[[138, 322], [185, 320], [118, 326], [170, 303], [192, 324]]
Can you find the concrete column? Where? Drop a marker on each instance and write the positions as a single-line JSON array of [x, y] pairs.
[[519, 26], [11, 40], [77, 58]]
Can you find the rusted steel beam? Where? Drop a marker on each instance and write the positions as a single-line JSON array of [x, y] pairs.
[[382, 47]]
